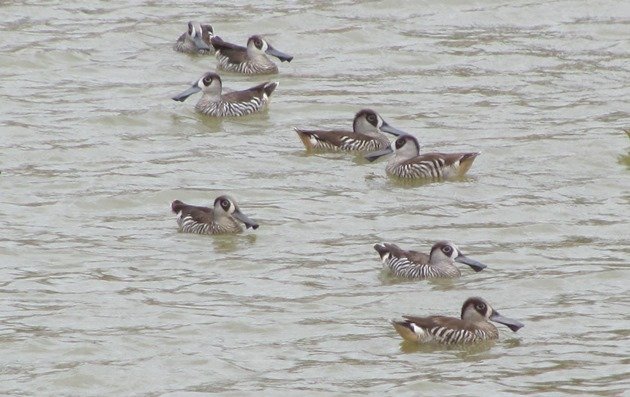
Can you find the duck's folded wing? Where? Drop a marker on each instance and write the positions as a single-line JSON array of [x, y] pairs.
[[444, 159], [412, 256], [235, 53], [196, 213], [444, 329], [250, 93], [336, 137]]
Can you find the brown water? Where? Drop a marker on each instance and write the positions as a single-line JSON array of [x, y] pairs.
[[101, 296]]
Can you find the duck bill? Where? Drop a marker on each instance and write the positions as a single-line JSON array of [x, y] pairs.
[[508, 322], [476, 266], [245, 219], [391, 130], [181, 97], [200, 44], [373, 156], [279, 54]]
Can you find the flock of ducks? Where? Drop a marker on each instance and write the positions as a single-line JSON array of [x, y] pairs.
[[367, 137]]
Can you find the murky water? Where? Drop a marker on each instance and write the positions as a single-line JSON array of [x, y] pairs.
[[101, 295]]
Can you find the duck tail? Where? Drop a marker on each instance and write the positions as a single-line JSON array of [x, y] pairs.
[[405, 330], [217, 42], [305, 137], [466, 161], [383, 250], [270, 87], [177, 206]]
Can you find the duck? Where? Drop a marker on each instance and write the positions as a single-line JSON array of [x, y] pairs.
[[408, 163], [252, 59], [366, 135], [236, 103], [196, 40], [225, 217], [439, 263], [473, 326]]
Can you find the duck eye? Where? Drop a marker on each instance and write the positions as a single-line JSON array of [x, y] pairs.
[[207, 80], [447, 249], [480, 307], [400, 143], [225, 204], [371, 118]]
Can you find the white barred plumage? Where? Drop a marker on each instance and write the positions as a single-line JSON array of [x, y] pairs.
[[318, 143], [261, 66], [347, 144], [403, 267], [188, 225], [432, 169], [455, 336], [222, 108]]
